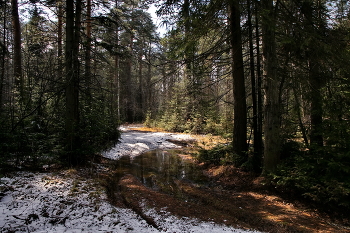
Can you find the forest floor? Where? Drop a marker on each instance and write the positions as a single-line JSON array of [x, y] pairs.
[[87, 198]]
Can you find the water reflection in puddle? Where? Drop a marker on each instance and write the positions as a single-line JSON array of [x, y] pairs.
[[161, 170]]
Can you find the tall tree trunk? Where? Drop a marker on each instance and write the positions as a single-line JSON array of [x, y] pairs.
[[116, 81], [257, 135], [239, 94], [129, 97], [3, 52], [272, 111], [116, 85], [258, 143], [72, 81], [316, 84], [59, 38], [313, 21], [148, 81], [188, 57], [77, 26], [17, 54], [140, 91], [88, 50], [298, 109]]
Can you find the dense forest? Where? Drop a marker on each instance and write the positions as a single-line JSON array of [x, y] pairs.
[[273, 76]]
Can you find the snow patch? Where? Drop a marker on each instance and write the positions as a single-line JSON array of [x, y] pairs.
[[134, 143], [51, 203]]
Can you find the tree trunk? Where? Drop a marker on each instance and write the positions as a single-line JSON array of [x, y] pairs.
[[72, 82], [239, 95], [148, 92], [257, 135], [140, 95], [313, 20], [188, 75], [272, 111], [17, 54], [258, 143], [301, 124], [88, 50], [59, 38], [116, 85], [3, 52], [316, 135], [129, 97], [115, 105]]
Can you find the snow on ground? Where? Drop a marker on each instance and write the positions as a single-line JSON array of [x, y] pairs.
[[47, 202], [133, 143], [66, 202], [56, 203]]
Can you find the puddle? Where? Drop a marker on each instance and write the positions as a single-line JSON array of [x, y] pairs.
[[160, 170]]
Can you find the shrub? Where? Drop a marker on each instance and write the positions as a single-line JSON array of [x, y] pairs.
[[320, 177], [220, 154]]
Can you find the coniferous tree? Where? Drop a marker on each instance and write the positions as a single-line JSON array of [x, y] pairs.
[[3, 52], [72, 82], [240, 106], [272, 112]]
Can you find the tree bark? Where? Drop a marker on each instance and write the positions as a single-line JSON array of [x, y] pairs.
[[59, 38], [140, 95], [298, 109], [17, 54], [272, 143], [313, 24], [257, 134], [258, 144], [116, 81], [88, 50], [239, 94], [316, 135], [148, 92], [129, 97], [72, 82], [3, 52]]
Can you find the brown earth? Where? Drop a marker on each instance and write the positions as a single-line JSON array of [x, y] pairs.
[[235, 198], [223, 204]]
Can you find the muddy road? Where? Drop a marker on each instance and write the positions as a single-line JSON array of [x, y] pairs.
[[156, 176]]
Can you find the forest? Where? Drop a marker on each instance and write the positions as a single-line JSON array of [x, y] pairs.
[[271, 76]]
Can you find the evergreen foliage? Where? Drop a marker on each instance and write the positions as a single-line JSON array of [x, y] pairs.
[[321, 177]]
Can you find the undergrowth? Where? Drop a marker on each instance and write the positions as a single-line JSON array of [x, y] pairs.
[[321, 177], [219, 155]]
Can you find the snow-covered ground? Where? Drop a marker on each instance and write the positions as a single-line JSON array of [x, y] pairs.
[[133, 143], [67, 202]]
